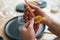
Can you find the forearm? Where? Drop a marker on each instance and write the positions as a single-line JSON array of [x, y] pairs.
[[53, 26]]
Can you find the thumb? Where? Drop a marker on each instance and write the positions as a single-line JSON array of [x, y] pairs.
[[31, 23], [30, 27]]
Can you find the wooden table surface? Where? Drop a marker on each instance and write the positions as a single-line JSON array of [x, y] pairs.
[[6, 14]]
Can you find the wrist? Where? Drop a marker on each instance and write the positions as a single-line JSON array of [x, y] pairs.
[[30, 39], [34, 39], [47, 20]]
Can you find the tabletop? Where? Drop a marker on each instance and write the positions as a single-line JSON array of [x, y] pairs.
[[7, 11]]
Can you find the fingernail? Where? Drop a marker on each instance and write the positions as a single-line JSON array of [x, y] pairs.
[[32, 20]]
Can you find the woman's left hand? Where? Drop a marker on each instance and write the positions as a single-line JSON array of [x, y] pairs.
[[27, 31]]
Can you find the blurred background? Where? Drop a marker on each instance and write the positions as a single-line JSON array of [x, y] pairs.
[[8, 11]]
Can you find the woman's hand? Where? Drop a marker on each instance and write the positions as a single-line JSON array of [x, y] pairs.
[[27, 31], [37, 11]]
